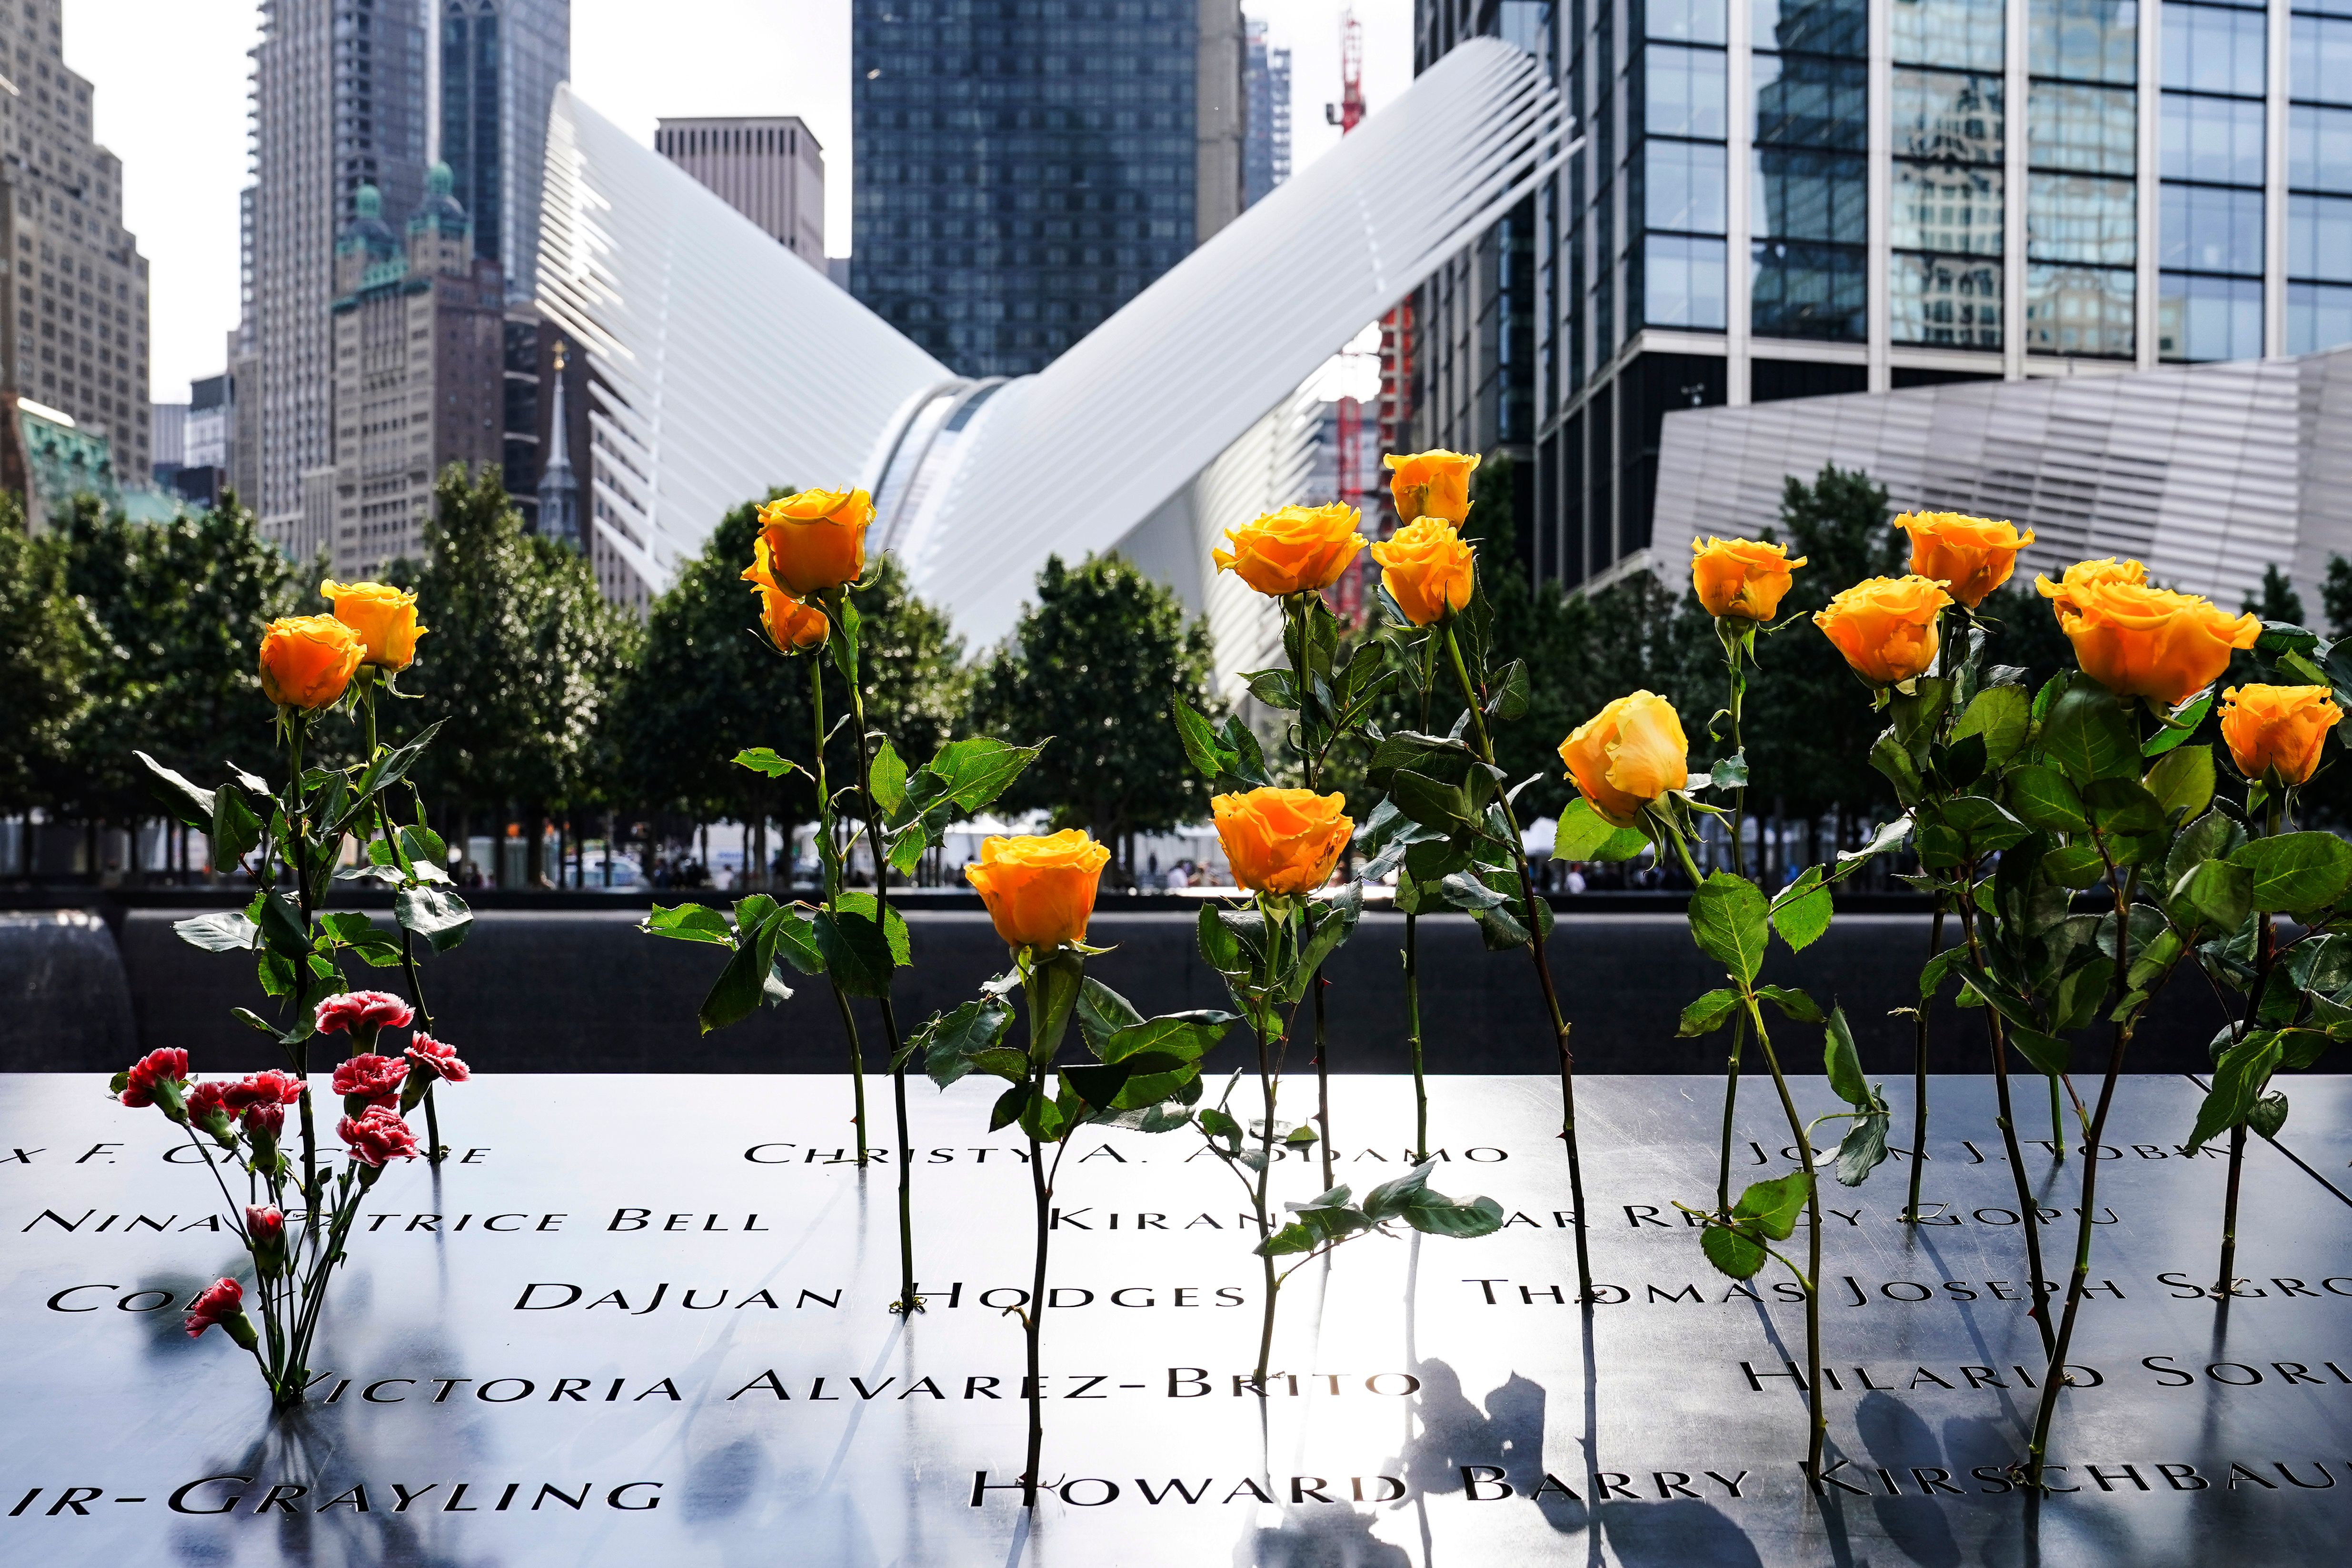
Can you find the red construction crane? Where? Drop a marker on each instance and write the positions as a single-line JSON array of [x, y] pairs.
[[1348, 113]]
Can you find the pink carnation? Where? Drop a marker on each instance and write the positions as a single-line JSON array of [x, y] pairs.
[[207, 1099], [220, 1300], [168, 1066], [370, 1077], [261, 1100], [363, 1012], [378, 1136], [440, 1061]]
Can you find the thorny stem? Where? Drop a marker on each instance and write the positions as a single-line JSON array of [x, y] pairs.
[[2027, 1208], [1543, 968], [297, 722], [1920, 1073], [433, 1150], [909, 1301], [1310, 759], [828, 871], [1798, 1130], [1730, 1103], [2037, 1452], [2266, 955], [1412, 950], [1257, 1197]]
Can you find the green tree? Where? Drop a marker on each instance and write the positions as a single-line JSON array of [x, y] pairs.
[[521, 656], [1097, 663], [48, 647], [180, 606], [2336, 596]]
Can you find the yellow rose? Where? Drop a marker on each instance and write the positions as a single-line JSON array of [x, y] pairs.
[[1294, 550], [1630, 753], [2138, 641], [1426, 569], [1740, 579], [385, 616], [2278, 729], [1282, 840], [308, 661], [1886, 626], [791, 624], [1039, 890], [816, 540], [1970, 556], [1432, 484]]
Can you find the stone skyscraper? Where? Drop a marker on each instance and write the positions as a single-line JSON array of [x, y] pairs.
[[73, 330], [767, 168], [339, 102], [501, 62]]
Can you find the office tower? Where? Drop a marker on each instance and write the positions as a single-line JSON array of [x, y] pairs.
[[501, 62], [338, 103], [167, 435], [205, 439], [2047, 187], [419, 344], [1266, 150], [769, 168], [1021, 175], [73, 329]]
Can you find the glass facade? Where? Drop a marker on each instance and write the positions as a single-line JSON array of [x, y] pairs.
[[1949, 141], [2081, 201], [1022, 169], [2319, 176], [2214, 72], [1809, 213], [2100, 188]]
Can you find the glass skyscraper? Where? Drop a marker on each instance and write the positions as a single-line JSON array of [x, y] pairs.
[[1783, 199], [1022, 171]]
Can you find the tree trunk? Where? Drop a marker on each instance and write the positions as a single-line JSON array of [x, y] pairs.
[[534, 848]]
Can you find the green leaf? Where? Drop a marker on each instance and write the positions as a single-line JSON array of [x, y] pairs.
[[2179, 725], [2268, 1115], [2048, 1052], [1433, 1214], [1888, 837], [1863, 1148], [1274, 688], [1584, 834], [1507, 697], [1103, 1012], [1728, 773], [2123, 807], [2238, 1080], [796, 941], [2074, 865], [1330, 919], [1931, 977], [1843, 1062], [951, 1041], [2089, 735], [440, 917], [740, 986], [1774, 1206], [188, 803], [235, 831], [1801, 912], [689, 923], [281, 927], [2295, 873], [762, 760], [2041, 797], [1200, 738], [1732, 1251], [1890, 757], [886, 776], [1185, 1035], [1221, 945], [2215, 894], [347, 926], [2182, 781], [1727, 920], [2003, 715], [1981, 825], [1467, 892], [972, 773], [2080, 993], [1432, 804], [1010, 1105], [1708, 1014], [2212, 837], [226, 931], [856, 954], [1390, 1199], [1792, 1003]]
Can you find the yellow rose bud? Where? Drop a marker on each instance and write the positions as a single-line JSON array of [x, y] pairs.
[[1039, 890], [1432, 484], [2277, 730], [1294, 550], [1886, 626], [385, 616], [1740, 579], [1970, 556], [816, 540], [1282, 840], [308, 661], [1426, 569], [1630, 753], [791, 624], [2138, 641]]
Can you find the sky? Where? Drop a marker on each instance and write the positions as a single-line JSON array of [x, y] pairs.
[[170, 79]]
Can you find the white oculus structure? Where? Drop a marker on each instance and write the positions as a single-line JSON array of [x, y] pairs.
[[721, 365]]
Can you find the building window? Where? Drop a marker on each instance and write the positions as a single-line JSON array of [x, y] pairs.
[[2089, 130], [1950, 135], [2200, 317], [2317, 317], [1681, 283], [2082, 311], [1809, 211], [2210, 217], [1945, 301]]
